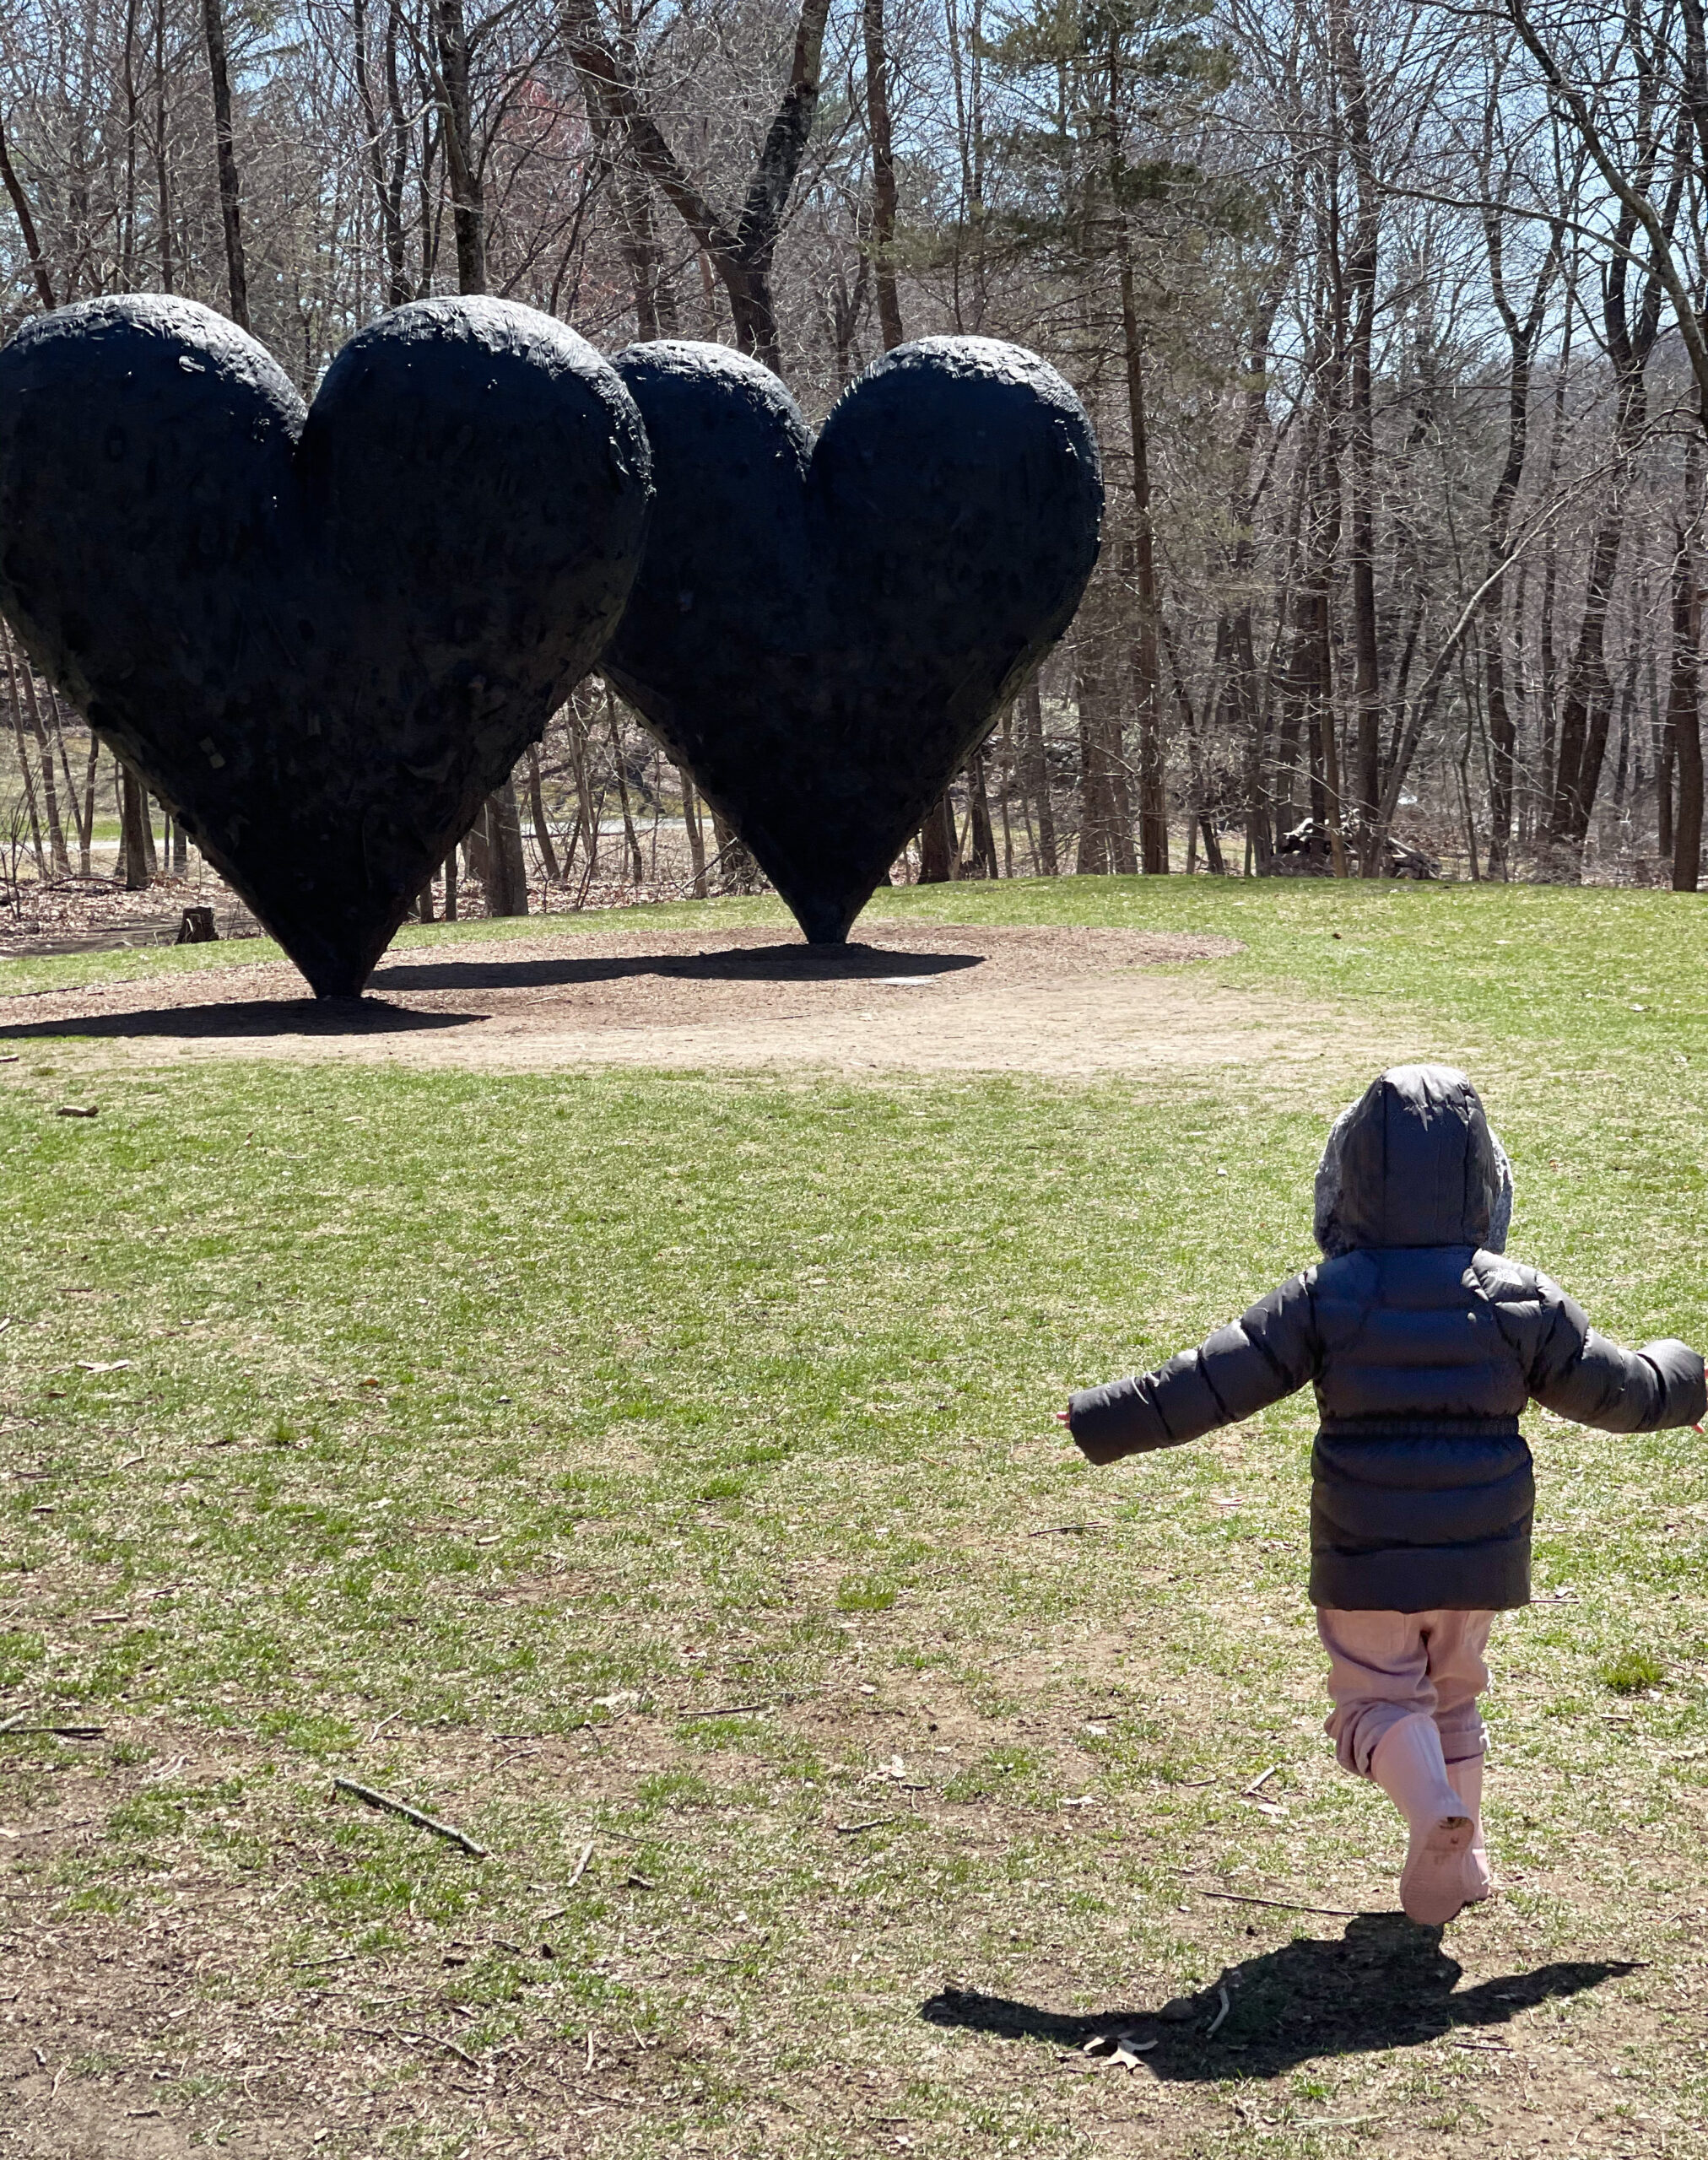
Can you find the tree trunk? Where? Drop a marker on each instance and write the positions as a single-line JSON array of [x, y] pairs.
[[476, 852], [939, 847], [85, 821], [388, 174], [1096, 802], [226, 162], [461, 159], [1684, 719], [26, 226], [23, 765], [982, 859], [536, 807], [1035, 766], [741, 250], [59, 855], [884, 199], [636, 860], [506, 866], [135, 840], [1503, 732], [1360, 283], [696, 833], [1152, 797], [163, 172]]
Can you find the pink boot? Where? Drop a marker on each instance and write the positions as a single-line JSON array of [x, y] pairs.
[[1407, 1764], [1466, 1779]]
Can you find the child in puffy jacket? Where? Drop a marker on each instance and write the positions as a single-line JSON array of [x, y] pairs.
[[1425, 1347]]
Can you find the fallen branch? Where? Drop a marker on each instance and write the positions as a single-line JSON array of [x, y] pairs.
[[451, 2047], [1282, 1904], [580, 1869], [384, 1802], [872, 1822]]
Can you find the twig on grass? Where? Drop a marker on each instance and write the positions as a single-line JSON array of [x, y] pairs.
[[451, 2047], [1067, 1530], [384, 1802], [1211, 2028], [1262, 1778], [1484, 2047], [408, 2040], [872, 1823], [1282, 1904], [381, 1726], [586, 1853]]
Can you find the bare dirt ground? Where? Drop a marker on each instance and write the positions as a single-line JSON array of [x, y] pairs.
[[914, 998]]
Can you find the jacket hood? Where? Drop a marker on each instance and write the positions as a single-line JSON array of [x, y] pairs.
[[1413, 1162]]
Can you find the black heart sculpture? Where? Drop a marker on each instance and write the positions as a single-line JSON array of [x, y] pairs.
[[323, 636], [823, 634]]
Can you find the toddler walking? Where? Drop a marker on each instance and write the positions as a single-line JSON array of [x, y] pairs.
[[1425, 1347]]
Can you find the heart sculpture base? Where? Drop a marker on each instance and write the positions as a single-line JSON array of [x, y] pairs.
[[323, 637], [823, 634]]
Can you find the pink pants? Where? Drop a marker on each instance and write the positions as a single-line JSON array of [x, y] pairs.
[[1383, 1665]]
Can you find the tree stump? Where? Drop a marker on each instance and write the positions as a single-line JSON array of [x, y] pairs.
[[198, 928]]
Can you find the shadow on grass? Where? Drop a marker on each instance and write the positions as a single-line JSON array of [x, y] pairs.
[[792, 963], [1385, 1983]]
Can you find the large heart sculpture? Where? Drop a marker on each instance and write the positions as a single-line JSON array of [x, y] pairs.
[[323, 637], [822, 634]]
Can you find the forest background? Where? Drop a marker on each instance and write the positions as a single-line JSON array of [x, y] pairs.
[[1390, 320]]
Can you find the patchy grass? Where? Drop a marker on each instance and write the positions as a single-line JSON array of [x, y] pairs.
[[652, 1475]]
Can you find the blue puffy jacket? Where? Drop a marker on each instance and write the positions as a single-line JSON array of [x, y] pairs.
[[1425, 1347]]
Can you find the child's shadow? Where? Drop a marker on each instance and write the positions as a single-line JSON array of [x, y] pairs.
[[1385, 1983]]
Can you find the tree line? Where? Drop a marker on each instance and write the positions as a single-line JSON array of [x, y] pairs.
[[1392, 323]]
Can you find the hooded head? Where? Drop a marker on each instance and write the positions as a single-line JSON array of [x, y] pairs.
[[1413, 1162]]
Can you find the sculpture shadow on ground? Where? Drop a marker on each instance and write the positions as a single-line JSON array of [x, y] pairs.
[[374, 1015], [1385, 1983], [255, 1016], [742, 964]]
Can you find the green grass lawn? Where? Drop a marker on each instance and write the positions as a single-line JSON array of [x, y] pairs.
[[653, 1475]]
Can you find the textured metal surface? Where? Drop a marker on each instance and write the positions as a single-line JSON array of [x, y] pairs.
[[322, 637], [822, 634]]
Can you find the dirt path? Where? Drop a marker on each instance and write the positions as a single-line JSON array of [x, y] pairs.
[[923, 999]]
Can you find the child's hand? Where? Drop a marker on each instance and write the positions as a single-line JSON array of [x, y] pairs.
[[1066, 1417]]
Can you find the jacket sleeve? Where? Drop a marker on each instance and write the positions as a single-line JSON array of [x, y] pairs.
[[1270, 1352], [1578, 1374]]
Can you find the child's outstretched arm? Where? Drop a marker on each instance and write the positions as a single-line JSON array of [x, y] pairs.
[[1578, 1374], [1269, 1353]]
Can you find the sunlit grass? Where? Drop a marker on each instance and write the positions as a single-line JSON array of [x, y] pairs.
[[693, 1432]]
